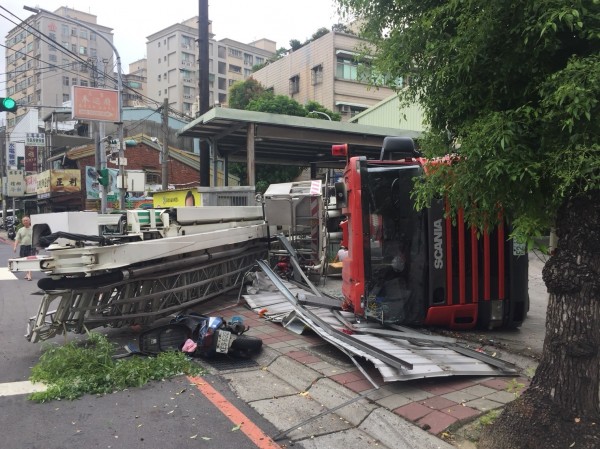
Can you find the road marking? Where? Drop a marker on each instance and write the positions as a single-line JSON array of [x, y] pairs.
[[251, 430], [6, 275], [25, 387]]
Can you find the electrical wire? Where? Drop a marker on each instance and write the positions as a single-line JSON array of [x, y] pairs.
[[67, 52], [71, 54]]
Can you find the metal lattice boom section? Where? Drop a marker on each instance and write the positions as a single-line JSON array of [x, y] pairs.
[[139, 300]]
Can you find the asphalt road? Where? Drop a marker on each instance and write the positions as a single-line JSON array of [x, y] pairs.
[[170, 414]]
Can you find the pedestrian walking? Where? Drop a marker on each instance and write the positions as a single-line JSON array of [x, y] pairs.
[[24, 238]]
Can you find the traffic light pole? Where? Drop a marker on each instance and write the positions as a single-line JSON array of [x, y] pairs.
[[121, 183]]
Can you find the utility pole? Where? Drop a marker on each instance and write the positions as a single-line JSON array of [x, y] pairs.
[[203, 88], [165, 145]]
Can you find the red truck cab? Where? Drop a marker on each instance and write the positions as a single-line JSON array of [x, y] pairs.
[[416, 267]]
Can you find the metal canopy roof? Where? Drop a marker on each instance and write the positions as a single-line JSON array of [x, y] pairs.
[[285, 139]]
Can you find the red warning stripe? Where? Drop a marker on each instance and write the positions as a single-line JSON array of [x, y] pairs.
[[251, 430]]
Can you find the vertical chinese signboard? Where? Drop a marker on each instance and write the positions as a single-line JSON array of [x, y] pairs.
[[12, 155], [32, 142], [15, 183]]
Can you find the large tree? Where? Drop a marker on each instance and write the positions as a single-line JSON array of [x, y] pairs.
[[512, 89]]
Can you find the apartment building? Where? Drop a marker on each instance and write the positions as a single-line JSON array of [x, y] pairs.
[[172, 64], [46, 56], [135, 84], [328, 71]]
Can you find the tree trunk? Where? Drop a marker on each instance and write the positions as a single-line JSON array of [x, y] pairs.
[[561, 408]]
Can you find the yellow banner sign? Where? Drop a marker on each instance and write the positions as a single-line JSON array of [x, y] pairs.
[[176, 198]]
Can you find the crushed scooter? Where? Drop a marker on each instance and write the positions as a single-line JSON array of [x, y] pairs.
[[199, 336]]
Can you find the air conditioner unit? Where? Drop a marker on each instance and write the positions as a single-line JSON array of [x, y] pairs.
[[345, 108]]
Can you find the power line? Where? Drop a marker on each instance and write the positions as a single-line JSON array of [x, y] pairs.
[[50, 41]]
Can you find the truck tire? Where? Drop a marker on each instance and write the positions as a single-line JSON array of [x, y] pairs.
[[245, 346]]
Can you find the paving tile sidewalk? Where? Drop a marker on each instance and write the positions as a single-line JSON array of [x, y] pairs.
[[433, 405]]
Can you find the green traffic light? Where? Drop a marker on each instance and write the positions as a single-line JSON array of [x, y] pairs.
[[8, 104]]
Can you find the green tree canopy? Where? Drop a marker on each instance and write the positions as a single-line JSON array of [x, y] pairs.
[[318, 34], [295, 44], [277, 104], [242, 92], [511, 89]]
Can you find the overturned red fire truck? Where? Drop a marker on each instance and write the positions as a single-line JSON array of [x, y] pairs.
[[416, 267]]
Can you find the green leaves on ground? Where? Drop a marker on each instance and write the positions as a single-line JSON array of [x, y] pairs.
[[76, 368]]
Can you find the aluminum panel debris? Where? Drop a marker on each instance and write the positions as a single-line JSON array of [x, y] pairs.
[[399, 354]]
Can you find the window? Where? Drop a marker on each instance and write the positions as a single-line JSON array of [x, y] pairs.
[[83, 34], [159, 60], [93, 52], [222, 98], [222, 68], [64, 29], [52, 58], [74, 81], [152, 178], [186, 75], [316, 75], [65, 81], [248, 59], [222, 84], [259, 60], [159, 77], [74, 48], [52, 36], [188, 92], [235, 68], [73, 31], [158, 44], [65, 98], [92, 36], [294, 84], [83, 50], [235, 53], [222, 52], [83, 83], [346, 69]]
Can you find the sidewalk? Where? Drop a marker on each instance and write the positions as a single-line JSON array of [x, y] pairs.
[[300, 376]]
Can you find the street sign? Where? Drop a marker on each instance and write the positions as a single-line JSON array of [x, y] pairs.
[[91, 103]]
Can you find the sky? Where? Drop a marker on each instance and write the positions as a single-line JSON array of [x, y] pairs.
[[133, 20]]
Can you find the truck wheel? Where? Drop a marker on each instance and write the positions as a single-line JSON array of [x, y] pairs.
[[245, 346]]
